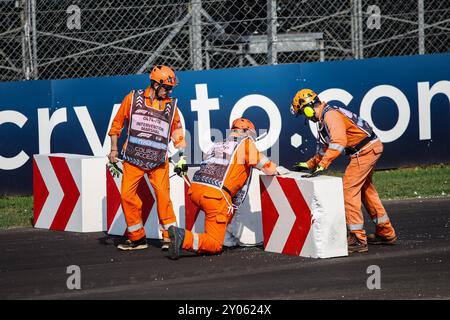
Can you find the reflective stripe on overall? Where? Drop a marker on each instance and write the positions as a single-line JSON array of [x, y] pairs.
[[324, 133]]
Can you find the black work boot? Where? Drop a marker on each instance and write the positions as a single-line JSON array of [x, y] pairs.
[[376, 239], [355, 245], [133, 245], [176, 242]]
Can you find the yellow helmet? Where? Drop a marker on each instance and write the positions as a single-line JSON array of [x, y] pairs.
[[303, 102]]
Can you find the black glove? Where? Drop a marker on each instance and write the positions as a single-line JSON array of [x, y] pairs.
[[181, 167]]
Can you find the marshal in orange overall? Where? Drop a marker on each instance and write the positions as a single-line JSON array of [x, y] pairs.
[[152, 122], [341, 131]]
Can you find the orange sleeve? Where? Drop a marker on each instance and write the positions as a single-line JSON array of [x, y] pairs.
[[314, 161], [256, 159], [122, 115], [338, 137], [176, 132]]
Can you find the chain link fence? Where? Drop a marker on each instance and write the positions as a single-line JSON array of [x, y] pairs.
[[53, 39]]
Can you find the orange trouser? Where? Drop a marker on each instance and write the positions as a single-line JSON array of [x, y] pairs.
[[132, 204], [358, 186], [213, 203]]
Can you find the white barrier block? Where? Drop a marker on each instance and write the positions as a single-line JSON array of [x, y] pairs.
[[246, 227], [304, 216], [69, 192]]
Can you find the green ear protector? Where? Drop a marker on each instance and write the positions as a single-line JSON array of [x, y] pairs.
[[309, 112]]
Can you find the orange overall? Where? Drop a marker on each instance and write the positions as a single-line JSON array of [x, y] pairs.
[[357, 179], [216, 203], [158, 177]]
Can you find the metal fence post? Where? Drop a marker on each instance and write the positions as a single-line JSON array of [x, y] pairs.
[[272, 32], [354, 33], [25, 38], [352, 28], [421, 16], [357, 29], [241, 55], [207, 53], [360, 30], [34, 40], [322, 50], [196, 34]]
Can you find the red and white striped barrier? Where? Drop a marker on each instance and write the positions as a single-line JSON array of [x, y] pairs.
[[67, 192], [302, 216], [245, 228], [116, 224], [299, 216]]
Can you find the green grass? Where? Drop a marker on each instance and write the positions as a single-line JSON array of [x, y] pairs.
[[409, 183], [412, 183], [419, 182], [16, 212]]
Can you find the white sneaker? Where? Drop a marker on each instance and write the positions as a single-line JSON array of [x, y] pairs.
[[165, 245]]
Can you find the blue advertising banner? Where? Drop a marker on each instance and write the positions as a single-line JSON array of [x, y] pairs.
[[406, 99]]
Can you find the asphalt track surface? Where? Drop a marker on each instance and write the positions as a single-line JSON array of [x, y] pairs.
[[33, 265]]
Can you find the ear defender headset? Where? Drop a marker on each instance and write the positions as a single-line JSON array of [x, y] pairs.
[[309, 111], [303, 103]]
